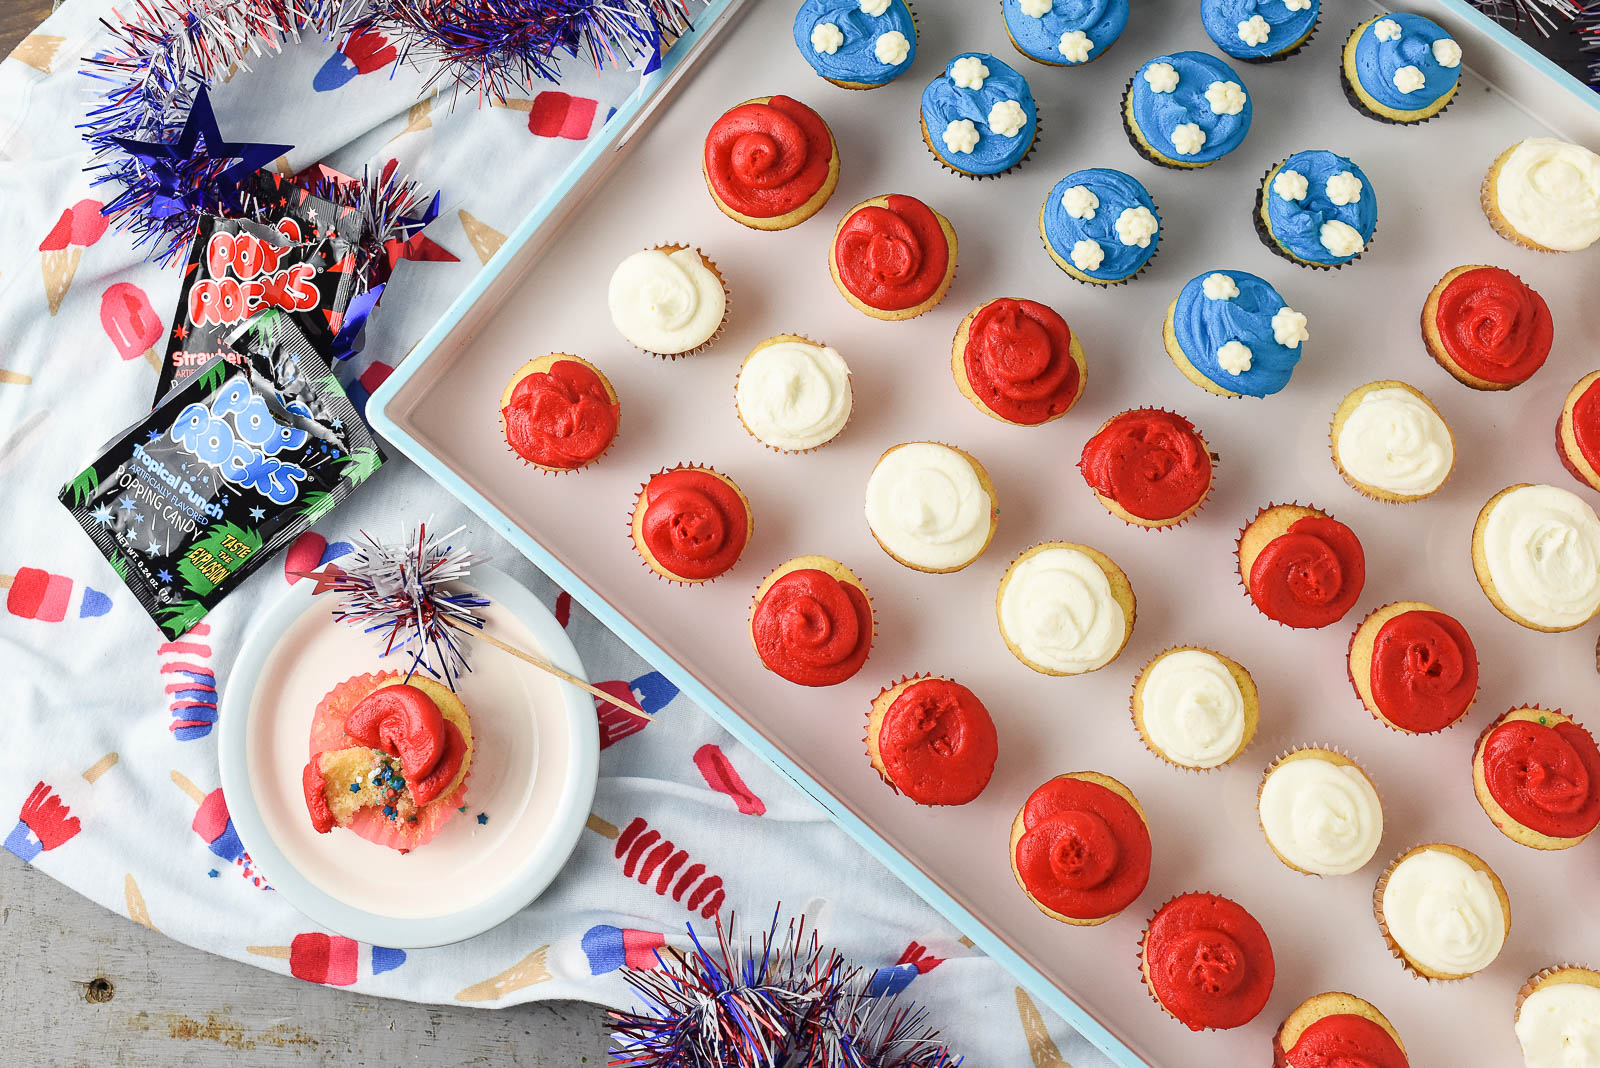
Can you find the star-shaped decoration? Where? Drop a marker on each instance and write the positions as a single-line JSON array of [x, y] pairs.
[[138, 517], [180, 331], [327, 579], [151, 435], [163, 576], [257, 514], [153, 548], [102, 515], [126, 504]]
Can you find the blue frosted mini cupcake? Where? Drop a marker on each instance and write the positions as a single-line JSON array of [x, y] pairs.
[[1231, 334], [1186, 110], [978, 117], [1100, 226], [1316, 209], [856, 44], [1400, 68], [1260, 31], [1064, 33]]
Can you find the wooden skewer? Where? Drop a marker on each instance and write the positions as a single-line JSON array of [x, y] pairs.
[[564, 676]]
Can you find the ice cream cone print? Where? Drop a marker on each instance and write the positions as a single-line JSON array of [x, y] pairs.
[[525, 973], [486, 240], [419, 118], [58, 266], [78, 227], [137, 912], [1042, 1049], [38, 50], [99, 768]]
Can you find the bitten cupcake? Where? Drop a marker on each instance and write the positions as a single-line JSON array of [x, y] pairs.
[[1391, 443], [770, 163], [893, 257], [1195, 708], [1558, 1014], [1300, 566], [1065, 609], [1207, 962], [690, 523], [1148, 467], [1080, 848], [1536, 553], [856, 44], [931, 739], [1018, 361], [1260, 31], [1319, 812], [931, 507], [1231, 334], [979, 117], [792, 394], [1487, 327], [1578, 431], [559, 412], [1414, 667], [1536, 772], [1100, 226], [1064, 33], [1400, 68], [1543, 193], [1443, 912], [1186, 110], [1316, 209], [1335, 1029], [668, 301], [811, 621]]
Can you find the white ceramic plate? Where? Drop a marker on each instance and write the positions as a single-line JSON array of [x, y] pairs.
[[533, 774]]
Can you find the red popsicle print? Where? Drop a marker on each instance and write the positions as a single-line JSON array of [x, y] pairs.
[[616, 723], [33, 593], [564, 608], [131, 323], [79, 226], [43, 823], [720, 775], [648, 857], [917, 953], [332, 960], [213, 824], [555, 114]]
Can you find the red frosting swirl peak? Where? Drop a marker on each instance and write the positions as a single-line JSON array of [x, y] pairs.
[[1152, 463], [1546, 777], [1018, 360], [892, 256], [937, 743], [1345, 1040], [1424, 671], [1084, 850], [1310, 575], [1208, 962], [812, 628], [560, 417], [766, 160], [1493, 325], [694, 523]]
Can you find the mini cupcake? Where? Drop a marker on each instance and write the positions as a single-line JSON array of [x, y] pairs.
[[1231, 334], [1063, 33], [931, 507], [979, 118], [1316, 209], [1080, 848], [1536, 553], [1148, 467], [1578, 431], [1100, 226], [1260, 31], [1018, 361], [1400, 68], [1391, 443], [1207, 962], [1300, 566], [931, 739], [1486, 327], [668, 301], [1319, 812], [559, 412], [1195, 708], [770, 163], [1557, 1010], [856, 44], [690, 523], [1536, 773], [1544, 193], [912, 276], [1185, 111], [811, 621], [1337, 1028], [1414, 668], [1443, 912], [1065, 609], [792, 394]]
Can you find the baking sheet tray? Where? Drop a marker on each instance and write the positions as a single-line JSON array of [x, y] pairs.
[[547, 293]]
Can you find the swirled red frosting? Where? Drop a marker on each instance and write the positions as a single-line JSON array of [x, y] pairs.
[[694, 523], [766, 160], [1084, 850], [892, 256], [1586, 423], [937, 743], [1493, 325], [560, 417], [1018, 360], [1152, 463], [1310, 575], [812, 628], [1545, 777], [1424, 671], [1208, 962], [1345, 1040]]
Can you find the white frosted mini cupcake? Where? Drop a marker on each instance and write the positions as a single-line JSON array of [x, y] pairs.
[[1320, 812], [1065, 609], [1391, 443], [668, 301], [1195, 708], [930, 506], [792, 394], [1443, 912], [1536, 553]]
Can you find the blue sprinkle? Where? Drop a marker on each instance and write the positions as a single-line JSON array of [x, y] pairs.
[[483, 817], [212, 874], [462, 810], [355, 788]]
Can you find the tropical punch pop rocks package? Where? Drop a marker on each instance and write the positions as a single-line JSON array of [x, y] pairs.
[[229, 468]]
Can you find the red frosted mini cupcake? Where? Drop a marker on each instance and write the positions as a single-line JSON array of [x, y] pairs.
[[1487, 327], [770, 163], [1300, 566], [690, 523], [1337, 1030], [1148, 467], [559, 412], [1414, 668], [1018, 361], [931, 739], [893, 257], [1207, 962], [1536, 773], [1080, 848], [1578, 431], [811, 621]]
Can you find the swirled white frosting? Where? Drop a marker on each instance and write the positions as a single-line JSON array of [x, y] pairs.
[[1444, 913], [666, 302], [1394, 441], [1542, 547], [1558, 1026], [794, 395], [1058, 610], [1322, 817], [1549, 190], [1192, 708], [927, 507]]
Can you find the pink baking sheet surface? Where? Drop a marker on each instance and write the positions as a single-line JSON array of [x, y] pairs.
[[1363, 324]]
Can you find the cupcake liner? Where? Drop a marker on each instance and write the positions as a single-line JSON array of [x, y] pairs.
[[1262, 232], [727, 303], [1145, 740], [1355, 101], [849, 383], [1091, 282], [639, 549], [1279, 57], [1038, 128], [1216, 461], [541, 468]]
